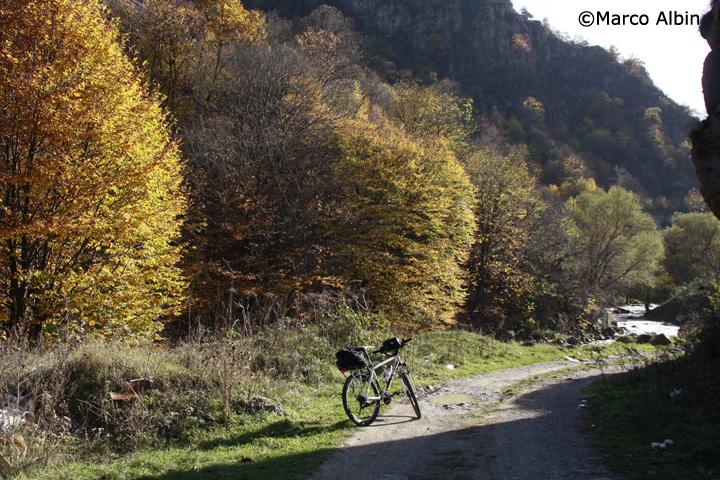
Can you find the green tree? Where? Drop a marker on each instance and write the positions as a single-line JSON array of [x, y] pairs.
[[694, 202], [692, 247], [613, 242], [89, 178]]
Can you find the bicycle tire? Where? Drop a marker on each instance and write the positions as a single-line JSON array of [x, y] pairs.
[[348, 402], [411, 393]]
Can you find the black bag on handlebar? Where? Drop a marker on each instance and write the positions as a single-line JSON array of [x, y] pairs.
[[350, 360], [391, 346]]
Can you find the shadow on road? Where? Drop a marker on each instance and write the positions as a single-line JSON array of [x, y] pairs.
[[535, 435], [389, 420]]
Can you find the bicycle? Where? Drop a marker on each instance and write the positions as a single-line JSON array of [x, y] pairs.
[[363, 391]]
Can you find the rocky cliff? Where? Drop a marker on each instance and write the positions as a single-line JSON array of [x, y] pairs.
[[706, 147]]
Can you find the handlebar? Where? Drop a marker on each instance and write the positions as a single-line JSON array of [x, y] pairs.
[[403, 342]]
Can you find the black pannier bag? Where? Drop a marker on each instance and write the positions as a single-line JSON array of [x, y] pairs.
[[350, 360], [390, 346]]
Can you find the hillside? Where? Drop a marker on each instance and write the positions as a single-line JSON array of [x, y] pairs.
[[565, 100]]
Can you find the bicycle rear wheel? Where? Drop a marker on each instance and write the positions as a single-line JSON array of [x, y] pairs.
[[411, 393], [355, 396]]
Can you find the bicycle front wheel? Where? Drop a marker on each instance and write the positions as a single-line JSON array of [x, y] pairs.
[[361, 399], [411, 393]]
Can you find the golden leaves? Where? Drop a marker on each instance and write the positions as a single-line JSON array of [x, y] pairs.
[[88, 174], [412, 223], [229, 20]]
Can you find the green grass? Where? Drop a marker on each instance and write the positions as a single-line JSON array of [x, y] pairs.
[[472, 354], [636, 409], [269, 446], [264, 446]]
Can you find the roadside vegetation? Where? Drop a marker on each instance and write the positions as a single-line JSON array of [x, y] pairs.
[[238, 408], [662, 419]]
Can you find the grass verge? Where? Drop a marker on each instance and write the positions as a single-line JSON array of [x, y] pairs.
[[660, 401], [275, 447]]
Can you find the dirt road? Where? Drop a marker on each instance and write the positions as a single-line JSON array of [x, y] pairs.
[[466, 434]]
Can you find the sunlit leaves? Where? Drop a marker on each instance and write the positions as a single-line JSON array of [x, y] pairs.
[[613, 241], [411, 223], [433, 112], [90, 178]]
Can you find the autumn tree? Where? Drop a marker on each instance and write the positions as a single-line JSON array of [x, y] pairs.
[[508, 204], [409, 224], [185, 44], [433, 111], [262, 182], [261, 167], [89, 178], [613, 242], [335, 51]]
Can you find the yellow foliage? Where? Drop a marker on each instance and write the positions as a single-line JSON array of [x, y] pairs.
[[433, 112], [89, 178], [534, 107], [521, 42], [228, 20], [412, 223], [183, 42]]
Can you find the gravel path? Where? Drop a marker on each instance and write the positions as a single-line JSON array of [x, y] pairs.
[[466, 434]]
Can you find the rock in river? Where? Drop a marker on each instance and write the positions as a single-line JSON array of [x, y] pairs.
[[661, 339]]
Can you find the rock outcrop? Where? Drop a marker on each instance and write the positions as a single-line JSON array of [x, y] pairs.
[[706, 150]]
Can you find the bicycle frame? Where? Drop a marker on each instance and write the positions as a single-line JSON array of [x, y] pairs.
[[394, 362]]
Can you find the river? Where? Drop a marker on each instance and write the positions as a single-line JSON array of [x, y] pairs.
[[636, 323]]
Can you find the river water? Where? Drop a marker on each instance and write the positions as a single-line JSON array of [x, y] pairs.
[[638, 326]]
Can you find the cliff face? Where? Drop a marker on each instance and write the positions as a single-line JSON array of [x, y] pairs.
[[466, 40], [706, 144], [608, 112]]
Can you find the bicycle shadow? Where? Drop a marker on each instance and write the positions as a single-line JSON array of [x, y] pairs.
[[389, 420]]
